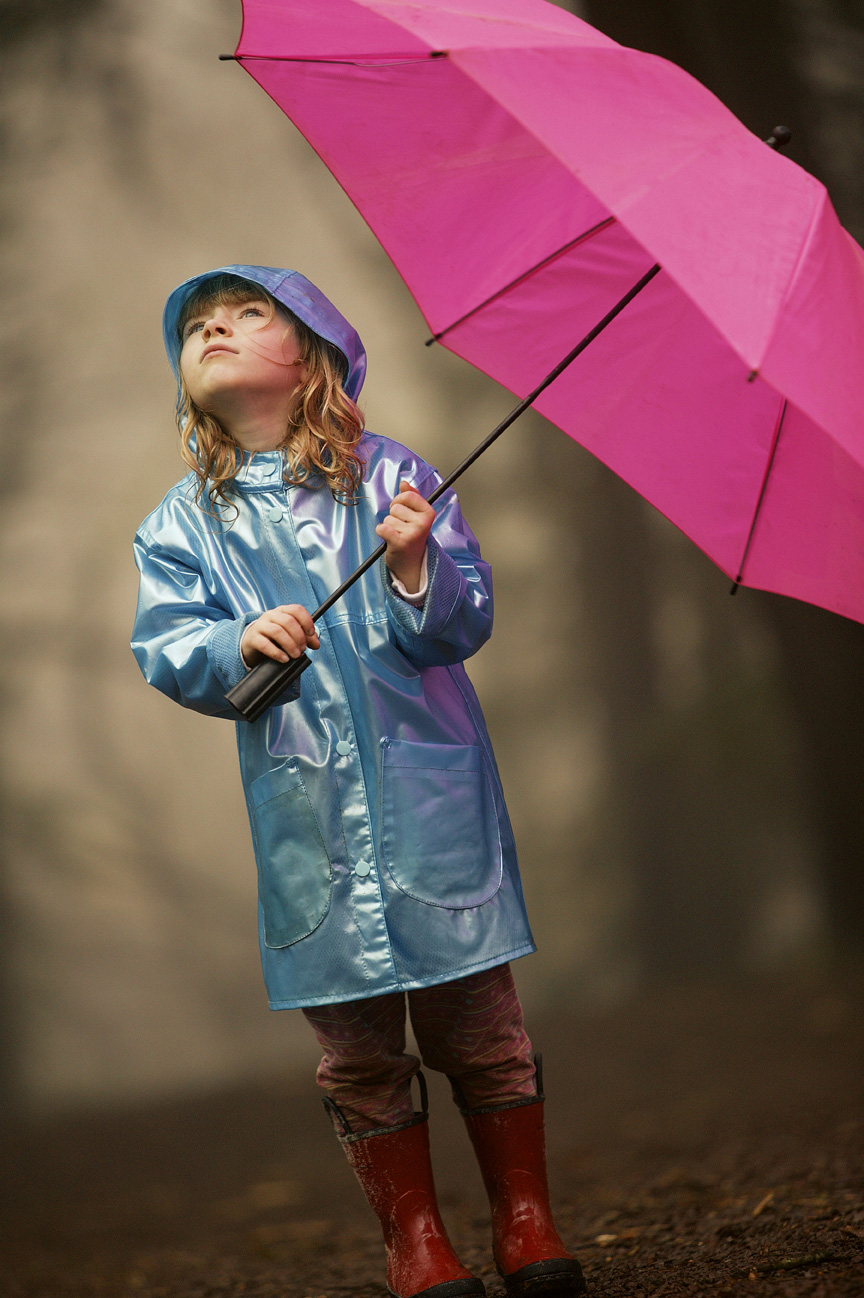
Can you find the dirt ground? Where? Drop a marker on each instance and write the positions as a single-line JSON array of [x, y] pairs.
[[702, 1141]]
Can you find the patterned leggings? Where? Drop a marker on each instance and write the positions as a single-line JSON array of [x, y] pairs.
[[470, 1029]]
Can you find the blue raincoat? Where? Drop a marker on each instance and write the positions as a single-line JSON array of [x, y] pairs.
[[384, 851]]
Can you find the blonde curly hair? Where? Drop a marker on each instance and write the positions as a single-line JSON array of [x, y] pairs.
[[324, 426]]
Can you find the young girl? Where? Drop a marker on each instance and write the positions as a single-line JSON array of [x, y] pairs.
[[386, 863]]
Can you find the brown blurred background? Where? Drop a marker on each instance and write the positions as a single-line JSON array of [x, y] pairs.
[[684, 770]]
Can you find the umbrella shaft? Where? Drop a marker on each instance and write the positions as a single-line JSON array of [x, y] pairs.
[[496, 432], [541, 387], [264, 683]]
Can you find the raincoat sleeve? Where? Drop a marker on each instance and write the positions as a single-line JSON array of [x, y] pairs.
[[186, 644], [456, 616]]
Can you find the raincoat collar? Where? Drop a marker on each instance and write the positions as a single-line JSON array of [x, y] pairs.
[[296, 293], [261, 471]]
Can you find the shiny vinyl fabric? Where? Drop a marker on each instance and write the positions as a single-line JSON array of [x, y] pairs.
[[385, 856]]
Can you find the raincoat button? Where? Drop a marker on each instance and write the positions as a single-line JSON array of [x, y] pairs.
[[362, 868], [274, 514], [343, 748]]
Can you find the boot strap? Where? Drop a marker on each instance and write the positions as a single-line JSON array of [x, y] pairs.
[[347, 1135], [538, 1098]]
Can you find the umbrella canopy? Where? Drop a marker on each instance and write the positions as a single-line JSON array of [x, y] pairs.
[[524, 172]]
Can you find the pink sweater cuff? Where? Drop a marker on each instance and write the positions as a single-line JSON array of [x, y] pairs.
[[418, 596]]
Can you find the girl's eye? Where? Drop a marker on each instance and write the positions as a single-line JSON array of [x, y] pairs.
[[193, 328], [251, 310]]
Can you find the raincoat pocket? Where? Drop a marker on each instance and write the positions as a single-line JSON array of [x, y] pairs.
[[439, 824], [294, 874]]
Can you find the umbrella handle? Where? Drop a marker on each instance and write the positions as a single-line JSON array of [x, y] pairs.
[[261, 687]]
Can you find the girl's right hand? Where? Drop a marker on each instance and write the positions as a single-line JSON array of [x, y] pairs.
[[280, 633]]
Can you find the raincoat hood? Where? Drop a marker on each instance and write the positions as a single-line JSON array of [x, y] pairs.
[[296, 293]]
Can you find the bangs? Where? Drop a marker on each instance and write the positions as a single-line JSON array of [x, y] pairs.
[[221, 290]]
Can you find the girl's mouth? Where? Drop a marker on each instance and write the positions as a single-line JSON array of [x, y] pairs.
[[210, 351]]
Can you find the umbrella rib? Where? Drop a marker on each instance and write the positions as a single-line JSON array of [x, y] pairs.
[[777, 429], [526, 274], [355, 61]]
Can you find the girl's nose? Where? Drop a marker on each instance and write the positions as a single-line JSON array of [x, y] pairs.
[[215, 325]]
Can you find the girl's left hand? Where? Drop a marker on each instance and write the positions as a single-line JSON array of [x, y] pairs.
[[405, 530]]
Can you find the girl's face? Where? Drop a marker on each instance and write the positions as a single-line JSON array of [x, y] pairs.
[[240, 360]]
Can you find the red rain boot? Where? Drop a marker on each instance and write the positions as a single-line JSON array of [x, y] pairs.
[[393, 1167], [511, 1149]]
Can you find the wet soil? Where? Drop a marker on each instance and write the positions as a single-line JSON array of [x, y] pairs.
[[702, 1141]]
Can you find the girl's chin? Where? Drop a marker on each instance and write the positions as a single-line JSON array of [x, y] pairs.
[[220, 402]]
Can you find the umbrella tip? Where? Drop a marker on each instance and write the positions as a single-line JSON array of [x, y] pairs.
[[779, 137]]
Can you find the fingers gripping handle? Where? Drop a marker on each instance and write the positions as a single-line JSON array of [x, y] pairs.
[[261, 687]]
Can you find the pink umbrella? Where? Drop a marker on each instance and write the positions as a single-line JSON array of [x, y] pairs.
[[524, 173]]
